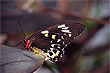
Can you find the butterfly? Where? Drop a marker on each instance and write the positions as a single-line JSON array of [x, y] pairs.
[[51, 41]]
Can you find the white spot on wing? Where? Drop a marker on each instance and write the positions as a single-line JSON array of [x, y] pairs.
[[50, 41], [66, 45], [56, 60], [61, 55], [63, 49], [63, 43], [69, 35], [46, 31], [65, 28], [47, 58], [62, 37], [51, 49], [66, 31], [61, 26], [54, 45]]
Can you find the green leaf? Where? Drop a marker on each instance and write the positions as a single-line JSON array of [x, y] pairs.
[[19, 61]]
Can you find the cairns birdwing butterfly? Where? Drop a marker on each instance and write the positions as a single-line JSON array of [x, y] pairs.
[[51, 41]]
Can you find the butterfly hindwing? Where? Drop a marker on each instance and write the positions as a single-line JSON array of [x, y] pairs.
[[54, 39]]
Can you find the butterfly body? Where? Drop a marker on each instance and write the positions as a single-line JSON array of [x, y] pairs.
[[51, 41]]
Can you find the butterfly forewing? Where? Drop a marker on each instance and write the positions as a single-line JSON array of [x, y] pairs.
[[54, 39]]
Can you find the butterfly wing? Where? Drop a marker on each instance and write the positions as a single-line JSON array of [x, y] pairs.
[[54, 39]]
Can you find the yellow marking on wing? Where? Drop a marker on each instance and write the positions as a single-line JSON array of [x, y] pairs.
[[46, 35], [57, 53], [53, 36], [58, 47], [52, 56], [58, 40]]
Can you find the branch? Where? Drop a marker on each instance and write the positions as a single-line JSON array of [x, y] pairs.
[[79, 16]]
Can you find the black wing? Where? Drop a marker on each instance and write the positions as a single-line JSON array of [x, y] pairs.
[[54, 39]]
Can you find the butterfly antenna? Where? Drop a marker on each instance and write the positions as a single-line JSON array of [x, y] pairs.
[[17, 44], [22, 32], [21, 28]]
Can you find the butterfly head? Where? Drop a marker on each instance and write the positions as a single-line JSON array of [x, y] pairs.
[[27, 43]]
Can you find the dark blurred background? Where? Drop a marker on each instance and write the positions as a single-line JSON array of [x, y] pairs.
[[88, 53]]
